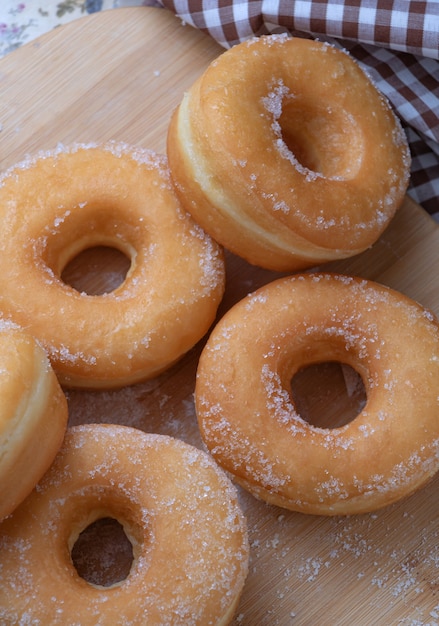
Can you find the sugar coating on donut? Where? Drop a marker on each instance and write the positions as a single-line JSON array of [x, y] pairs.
[[276, 154], [118, 149], [111, 195], [392, 446], [273, 104], [208, 259], [179, 510]]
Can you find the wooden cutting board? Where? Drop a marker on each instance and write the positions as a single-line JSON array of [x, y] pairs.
[[118, 75]]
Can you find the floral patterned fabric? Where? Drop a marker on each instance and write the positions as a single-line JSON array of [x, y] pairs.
[[20, 22]]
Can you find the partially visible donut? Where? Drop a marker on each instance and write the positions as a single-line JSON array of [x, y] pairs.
[[286, 153], [249, 420], [57, 204], [33, 416], [178, 509]]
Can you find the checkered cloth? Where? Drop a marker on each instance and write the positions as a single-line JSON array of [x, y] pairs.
[[395, 41]]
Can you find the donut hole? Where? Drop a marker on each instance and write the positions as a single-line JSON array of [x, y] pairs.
[[322, 139], [97, 270], [102, 554], [328, 395], [93, 248]]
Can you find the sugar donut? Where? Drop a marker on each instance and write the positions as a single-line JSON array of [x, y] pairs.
[[33, 416], [286, 154], [57, 204], [178, 509], [247, 414]]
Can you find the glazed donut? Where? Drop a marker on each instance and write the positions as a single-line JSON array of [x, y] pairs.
[[59, 203], [178, 509], [33, 416], [287, 155], [249, 420]]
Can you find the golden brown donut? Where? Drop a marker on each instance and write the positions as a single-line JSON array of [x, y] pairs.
[[285, 152], [247, 414], [57, 204], [178, 509], [33, 415]]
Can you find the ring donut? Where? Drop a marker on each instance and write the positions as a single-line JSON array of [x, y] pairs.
[[33, 416], [285, 152], [178, 509], [59, 203], [248, 418]]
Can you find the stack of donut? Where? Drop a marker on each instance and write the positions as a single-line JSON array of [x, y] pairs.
[[274, 155]]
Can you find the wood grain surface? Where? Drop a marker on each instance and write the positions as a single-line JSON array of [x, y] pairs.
[[118, 75]]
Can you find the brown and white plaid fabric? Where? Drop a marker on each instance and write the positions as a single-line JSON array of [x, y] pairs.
[[395, 41]]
